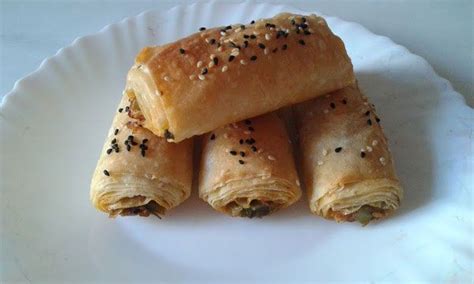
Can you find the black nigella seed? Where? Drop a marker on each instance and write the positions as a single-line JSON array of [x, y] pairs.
[[126, 142], [232, 44], [301, 42], [204, 71], [241, 141], [251, 128], [362, 154], [268, 25], [202, 29], [367, 112], [298, 31], [304, 26], [114, 141], [116, 149], [242, 27], [248, 122], [252, 22], [129, 147], [253, 58], [303, 19], [218, 44], [181, 51], [130, 138], [228, 27], [233, 153], [246, 43], [144, 141], [332, 105], [254, 149], [120, 109], [253, 36], [369, 122], [377, 119], [241, 162], [246, 36], [216, 61], [284, 47], [212, 41], [261, 45], [338, 149], [168, 134], [116, 131], [134, 143], [242, 154], [344, 101], [143, 152], [250, 141], [109, 151], [293, 22], [213, 136], [307, 33], [127, 108], [275, 49], [106, 172], [231, 58], [114, 146], [143, 146]]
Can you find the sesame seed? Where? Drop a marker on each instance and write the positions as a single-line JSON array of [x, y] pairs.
[[332, 105], [325, 111], [247, 132], [382, 161], [109, 151], [243, 62], [241, 162], [241, 141], [219, 49], [253, 58], [192, 77], [181, 51], [362, 154], [265, 51], [253, 148], [231, 58], [369, 149], [338, 149], [325, 152], [369, 122], [120, 109], [298, 183], [226, 135], [166, 78], [212, 56], [271, 158], [238, 30], [211, 64], [268, 37], [284, 47], [375, 142], [242, 154], [213, 136], [235, 53], [202, 29], [256, 33], [116, 131], [201, 77], [106, 172], [199, 64], [204, 71], [224, 68], [234, 125], [320, 163], [301, 42], [223, 33]]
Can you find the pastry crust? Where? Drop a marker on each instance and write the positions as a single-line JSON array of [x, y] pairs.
[[151, 177], [347, 166], [223, 75], [248, 169]]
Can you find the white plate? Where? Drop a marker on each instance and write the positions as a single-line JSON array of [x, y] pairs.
[[53, 124]]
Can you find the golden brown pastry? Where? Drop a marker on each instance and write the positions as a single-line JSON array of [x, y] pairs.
[[139, 173], [227, 74], [347, 166], [247, 168]]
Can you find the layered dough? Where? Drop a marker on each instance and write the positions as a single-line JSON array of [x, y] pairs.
[[248, 169], [347, 165], [139, 173], [227, 74]]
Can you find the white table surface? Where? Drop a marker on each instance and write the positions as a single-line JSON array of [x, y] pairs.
[[439, 31]]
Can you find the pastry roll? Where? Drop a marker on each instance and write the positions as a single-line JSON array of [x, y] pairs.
[[139, 173], [347, 166], [227, 74], [247, 168]]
